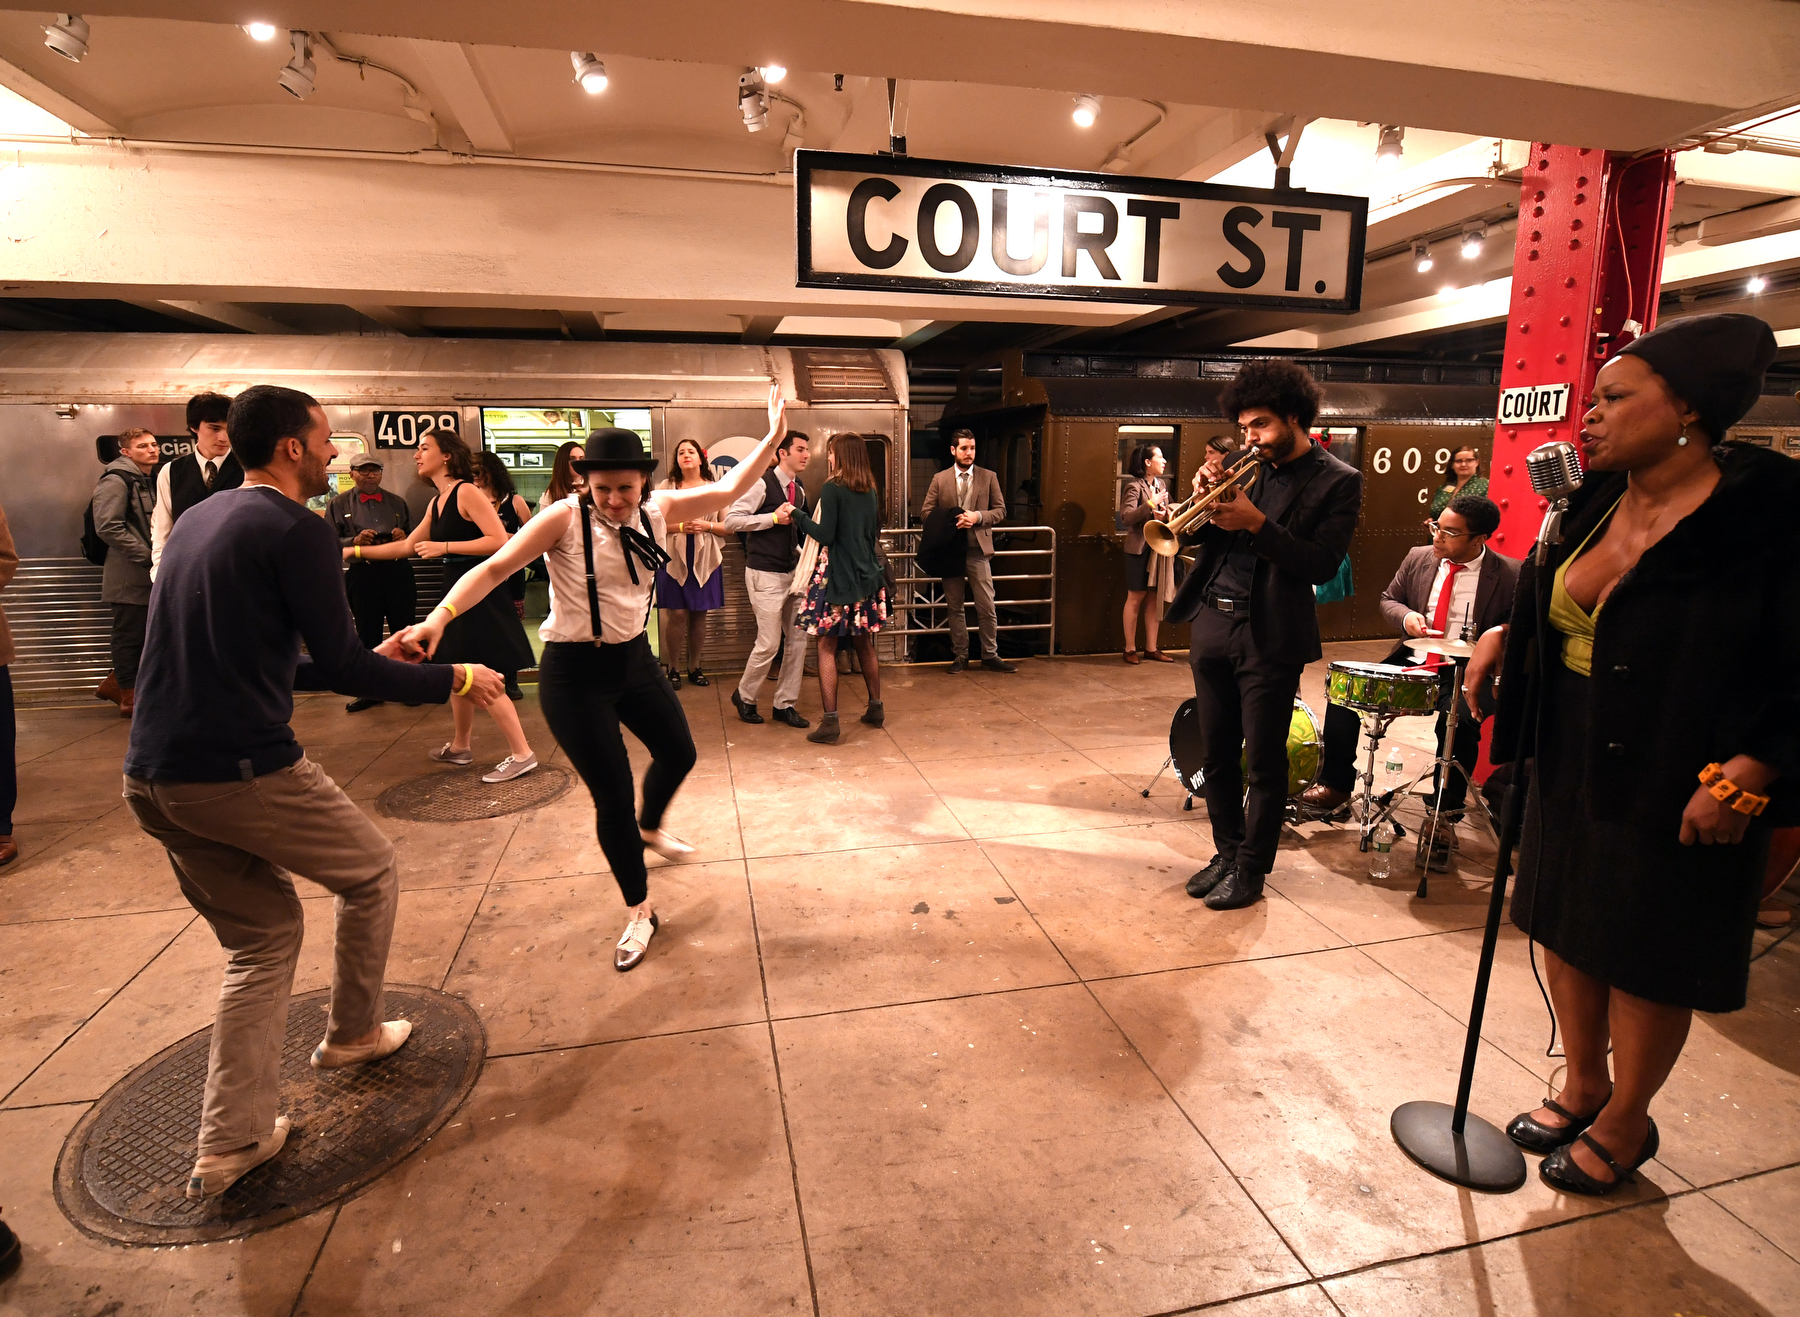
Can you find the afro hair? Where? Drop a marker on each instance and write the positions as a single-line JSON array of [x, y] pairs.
[[1285, 387]]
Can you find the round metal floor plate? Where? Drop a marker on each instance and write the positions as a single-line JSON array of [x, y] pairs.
[[123, 1169], [462, 797]]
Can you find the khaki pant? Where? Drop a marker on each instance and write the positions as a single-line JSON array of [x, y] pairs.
[[233, 846], [979, 573], [776, 611]]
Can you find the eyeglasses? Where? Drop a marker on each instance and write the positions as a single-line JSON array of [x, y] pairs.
[[1438, 531]]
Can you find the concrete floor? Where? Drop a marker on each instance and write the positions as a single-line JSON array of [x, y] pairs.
[[931, 1028]]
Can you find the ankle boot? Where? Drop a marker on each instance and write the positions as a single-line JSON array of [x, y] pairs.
[[826, 733], [873, 715]]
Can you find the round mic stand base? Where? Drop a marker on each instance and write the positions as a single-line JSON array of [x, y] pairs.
[[1480, 1158]]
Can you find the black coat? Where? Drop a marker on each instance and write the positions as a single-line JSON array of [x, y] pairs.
[[1696, 651], [1301, 545], [943, 545]]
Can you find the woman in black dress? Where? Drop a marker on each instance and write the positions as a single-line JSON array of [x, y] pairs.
[[1666, 632], [494, 480], [462, 528]]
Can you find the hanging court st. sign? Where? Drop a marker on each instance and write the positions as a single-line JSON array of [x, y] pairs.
[[896, 224]]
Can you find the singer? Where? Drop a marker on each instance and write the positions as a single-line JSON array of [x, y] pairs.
[[1255, 625], [1666, 630]]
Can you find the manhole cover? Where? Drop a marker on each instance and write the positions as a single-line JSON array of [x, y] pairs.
[[461, 796], [123, 1169]]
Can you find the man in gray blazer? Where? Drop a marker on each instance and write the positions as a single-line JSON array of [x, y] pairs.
[[975, 490], [1440, 586], [122, 505]]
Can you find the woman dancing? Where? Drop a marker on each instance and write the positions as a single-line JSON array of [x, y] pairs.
[[462, 528], [692, 585], [603, 547]]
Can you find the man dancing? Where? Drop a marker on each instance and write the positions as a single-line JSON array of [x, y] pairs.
[[1255, 626]]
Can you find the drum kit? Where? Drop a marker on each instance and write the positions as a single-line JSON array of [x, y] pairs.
[[1187, 755]]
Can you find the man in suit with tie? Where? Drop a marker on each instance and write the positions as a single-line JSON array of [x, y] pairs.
[[1255, 624], [1454, 581], [975, 490], [196, 475]]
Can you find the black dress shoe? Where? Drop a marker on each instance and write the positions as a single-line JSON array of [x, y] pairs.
[[1534, 1136], [790, 716], [958, 665], [1560, 1171], [698, 678], [358, 705], [1240, 888], [10, 1251], [513, 692], [998, 664], [748, 711], [1209, 877]]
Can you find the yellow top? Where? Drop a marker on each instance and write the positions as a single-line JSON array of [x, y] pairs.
[[1566, 615]]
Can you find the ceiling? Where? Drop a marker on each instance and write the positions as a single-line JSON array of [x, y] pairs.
[[400, 85]]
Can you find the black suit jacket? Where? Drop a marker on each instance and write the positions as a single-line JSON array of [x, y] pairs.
[[1410, 592], [1302, 544]]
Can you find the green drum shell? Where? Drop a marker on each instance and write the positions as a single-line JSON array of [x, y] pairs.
[[1305, 749], [1381, 688]]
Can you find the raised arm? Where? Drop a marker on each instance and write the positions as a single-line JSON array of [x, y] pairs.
[[686, 504]]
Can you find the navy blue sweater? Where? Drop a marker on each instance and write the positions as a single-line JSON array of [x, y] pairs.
[[247, 576]]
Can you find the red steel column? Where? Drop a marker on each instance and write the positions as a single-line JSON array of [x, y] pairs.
[[1592, 227]]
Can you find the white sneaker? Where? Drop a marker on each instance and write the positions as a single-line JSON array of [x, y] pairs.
[[448, 754], [635, 942], [334, 1056], [509, 768], [666, 844], [213, 1175]]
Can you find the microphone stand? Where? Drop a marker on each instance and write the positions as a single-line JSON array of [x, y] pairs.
[[1443, 1139]]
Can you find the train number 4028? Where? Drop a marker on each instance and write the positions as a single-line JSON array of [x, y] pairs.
[[405, 429]]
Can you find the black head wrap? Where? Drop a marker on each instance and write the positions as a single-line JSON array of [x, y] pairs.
[[1714, 364]]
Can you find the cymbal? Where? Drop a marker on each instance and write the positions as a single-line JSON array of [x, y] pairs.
[[1456, 649]]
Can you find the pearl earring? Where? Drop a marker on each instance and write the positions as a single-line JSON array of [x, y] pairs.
[[1681, 440]]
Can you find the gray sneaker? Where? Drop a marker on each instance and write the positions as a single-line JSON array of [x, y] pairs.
[[509, 768], [445, 754]]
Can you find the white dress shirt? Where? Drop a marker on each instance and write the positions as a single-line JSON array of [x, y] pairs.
[[743, 516], [162, 516], [1462, 597], [624, 606]]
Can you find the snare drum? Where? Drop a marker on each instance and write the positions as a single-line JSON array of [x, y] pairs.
[[1305, 749], [1382, 688]]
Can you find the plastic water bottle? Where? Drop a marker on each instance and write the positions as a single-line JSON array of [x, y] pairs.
[[1381, 850], [1394, 769]]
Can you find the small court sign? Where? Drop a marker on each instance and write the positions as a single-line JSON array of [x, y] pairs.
[[896, 224]]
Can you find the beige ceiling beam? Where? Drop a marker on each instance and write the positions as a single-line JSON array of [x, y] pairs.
[[81, 115], [587, 326], [760, 329], [215, 315], [1509, 68], [400, 319], [464, 96]]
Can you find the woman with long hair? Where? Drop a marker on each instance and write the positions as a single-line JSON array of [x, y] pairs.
[[847, 597], [562, 474], [462, 528], [598, 674], [1144, 499], [493, 479], [691, 585], [1666, 735], [1461, 477]]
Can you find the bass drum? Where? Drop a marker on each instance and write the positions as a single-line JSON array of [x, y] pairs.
[[1187, 748]]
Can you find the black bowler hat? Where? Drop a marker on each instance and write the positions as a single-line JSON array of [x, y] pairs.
[[613, 449]]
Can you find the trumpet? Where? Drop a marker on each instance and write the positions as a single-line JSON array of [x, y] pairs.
[[1164, 537]]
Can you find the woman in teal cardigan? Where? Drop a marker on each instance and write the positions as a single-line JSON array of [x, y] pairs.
[[847, 597]]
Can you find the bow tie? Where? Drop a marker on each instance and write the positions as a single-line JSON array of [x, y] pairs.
[[643, 548], [369, 498]]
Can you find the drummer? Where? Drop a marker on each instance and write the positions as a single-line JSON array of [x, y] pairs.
[[1454, 585]]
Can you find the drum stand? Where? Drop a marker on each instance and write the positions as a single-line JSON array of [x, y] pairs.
[[1167, 764]]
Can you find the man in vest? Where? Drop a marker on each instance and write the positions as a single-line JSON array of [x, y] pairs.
[[771, 552], [193, 476]]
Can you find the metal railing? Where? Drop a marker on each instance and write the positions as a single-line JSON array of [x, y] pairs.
[[902, 548]]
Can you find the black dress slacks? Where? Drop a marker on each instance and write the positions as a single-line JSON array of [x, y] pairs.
[[1245, 704], [380, 592]]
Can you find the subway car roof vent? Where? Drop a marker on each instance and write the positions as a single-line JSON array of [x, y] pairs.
[[824, 375]]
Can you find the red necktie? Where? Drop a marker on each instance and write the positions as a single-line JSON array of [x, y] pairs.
[[370, 498], [793, 492], [1440, 616]]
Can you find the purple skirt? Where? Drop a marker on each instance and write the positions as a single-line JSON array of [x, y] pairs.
[[671, 593]]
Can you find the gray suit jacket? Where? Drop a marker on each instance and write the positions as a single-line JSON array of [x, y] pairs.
[[1137, 505], [1410, 592], [985, 500]]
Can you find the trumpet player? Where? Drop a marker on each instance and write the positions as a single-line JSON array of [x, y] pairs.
[[1254, 625]]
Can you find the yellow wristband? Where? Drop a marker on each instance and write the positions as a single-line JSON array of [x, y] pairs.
[[468, 679], [359, 551], [449, 608]]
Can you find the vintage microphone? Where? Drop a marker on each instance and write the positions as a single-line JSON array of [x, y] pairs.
[[1442, 1139]]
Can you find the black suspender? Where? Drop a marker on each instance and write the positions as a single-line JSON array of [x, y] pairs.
[[586, 508], [646, 549]]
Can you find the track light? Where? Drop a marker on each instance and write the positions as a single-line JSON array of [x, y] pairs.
[[753, 101], [296, 78], [772, 73], [1756, 284], [261, 31], [1421, 257], [589, 71], [1472, 239], [1390, 148], [1087, 110], [68, 36]]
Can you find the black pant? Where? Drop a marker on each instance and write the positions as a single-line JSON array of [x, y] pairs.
[[128, 623], [9, 744], [1245, 704], [380, 592], [586, 692], [1338, 764]]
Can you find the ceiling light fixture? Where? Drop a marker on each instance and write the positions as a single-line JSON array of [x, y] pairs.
[[1086, 111], [772, 73], [1757, 283], [1472, 239], [297, 76], [753, 101], [1390, 147], [68, 36], [1422, 257], [261, 31], [589, 71]]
